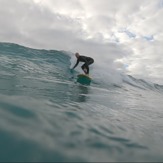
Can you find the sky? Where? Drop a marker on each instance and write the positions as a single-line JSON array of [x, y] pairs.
[[125, 33]]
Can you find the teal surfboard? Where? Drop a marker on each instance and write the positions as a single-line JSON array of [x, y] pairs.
[[84, 79]]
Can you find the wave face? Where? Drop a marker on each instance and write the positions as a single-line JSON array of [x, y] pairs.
[[46, 116]]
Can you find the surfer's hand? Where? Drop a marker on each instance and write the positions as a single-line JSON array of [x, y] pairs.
[[71, 70]]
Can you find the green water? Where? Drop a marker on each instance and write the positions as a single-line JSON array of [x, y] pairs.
[[45, 116]]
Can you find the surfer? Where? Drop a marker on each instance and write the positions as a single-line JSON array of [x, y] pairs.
[[87, 61]]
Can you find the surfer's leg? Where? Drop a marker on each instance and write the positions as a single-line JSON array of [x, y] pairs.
[[85, 68], [90, 62], [87, 65]]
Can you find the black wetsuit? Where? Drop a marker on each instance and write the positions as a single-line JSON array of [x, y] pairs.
[[87, 61]]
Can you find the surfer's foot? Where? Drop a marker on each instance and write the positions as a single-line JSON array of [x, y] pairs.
[[85, 71]]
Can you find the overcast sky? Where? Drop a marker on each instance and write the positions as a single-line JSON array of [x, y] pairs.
[[126, 32]]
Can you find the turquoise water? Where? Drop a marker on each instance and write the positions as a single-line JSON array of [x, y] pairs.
[[46, 116]]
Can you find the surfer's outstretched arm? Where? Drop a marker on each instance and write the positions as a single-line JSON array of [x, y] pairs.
[[76, 64]]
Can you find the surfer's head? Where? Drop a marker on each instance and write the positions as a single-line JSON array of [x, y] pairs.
[[77, 55]]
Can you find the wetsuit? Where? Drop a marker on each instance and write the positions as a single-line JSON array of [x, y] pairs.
[[87, 61]]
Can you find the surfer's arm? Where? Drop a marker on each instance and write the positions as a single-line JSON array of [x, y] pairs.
[[76, 64]]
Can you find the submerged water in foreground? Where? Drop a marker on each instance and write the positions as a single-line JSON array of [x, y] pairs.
[[46, 116]]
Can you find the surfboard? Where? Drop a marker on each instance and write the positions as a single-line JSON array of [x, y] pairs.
[[84, 79]]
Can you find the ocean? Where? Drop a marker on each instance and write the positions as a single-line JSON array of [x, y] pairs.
[[46, 116]]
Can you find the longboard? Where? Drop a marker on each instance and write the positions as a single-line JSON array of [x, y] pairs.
[[84, 79]]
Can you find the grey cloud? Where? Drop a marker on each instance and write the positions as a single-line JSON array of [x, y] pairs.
[[90, 27]]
